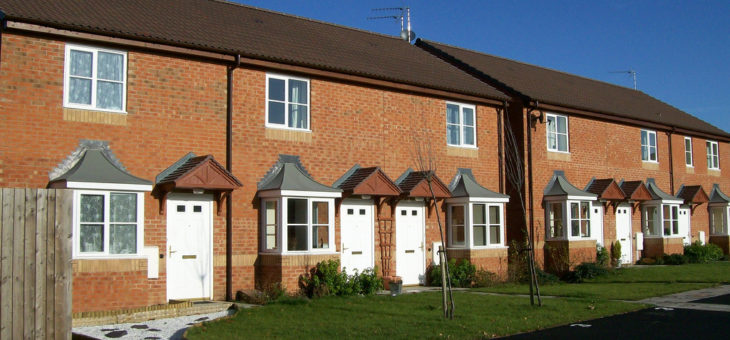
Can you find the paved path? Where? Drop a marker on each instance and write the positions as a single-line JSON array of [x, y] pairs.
[[688, 300]]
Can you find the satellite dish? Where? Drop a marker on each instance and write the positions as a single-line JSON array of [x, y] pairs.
[[407, 36]]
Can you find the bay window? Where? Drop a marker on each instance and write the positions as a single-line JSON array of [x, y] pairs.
[[578, 213], [108, 223], [719, 220], [660, 220], [476, 225], [297, 224]]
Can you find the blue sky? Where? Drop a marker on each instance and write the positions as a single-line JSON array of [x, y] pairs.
[[679, 49]]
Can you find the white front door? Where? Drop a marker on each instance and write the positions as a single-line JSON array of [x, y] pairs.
[[684, 225], [356, 226], [623, 231], [189, 246], [410, 222]]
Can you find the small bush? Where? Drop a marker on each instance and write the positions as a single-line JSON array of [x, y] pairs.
[[698, 253], [585, 271], [268, 294], [615, 253], [675, 259], [646, 261], [327, 279], [545, 278], [463, 275], [602, 256], [484, 278]]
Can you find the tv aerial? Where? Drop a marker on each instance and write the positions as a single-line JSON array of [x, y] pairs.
[[632, 73], [405, 14]]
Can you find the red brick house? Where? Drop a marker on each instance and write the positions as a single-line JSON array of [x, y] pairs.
[[604, 163], [214, 147]]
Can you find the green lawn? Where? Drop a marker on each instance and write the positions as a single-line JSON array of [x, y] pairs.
[[405, 316], [716, 272], [605, 291]]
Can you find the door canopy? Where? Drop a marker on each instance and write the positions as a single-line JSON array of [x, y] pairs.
[[196, 174], [693, 195], [370, 181], [415, 184], [606, 189], [635, 191]]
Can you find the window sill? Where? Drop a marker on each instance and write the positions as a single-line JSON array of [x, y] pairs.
[[650, 165], [559, 156], [460, 151], [94, 116], [714, 172], [289, 135]]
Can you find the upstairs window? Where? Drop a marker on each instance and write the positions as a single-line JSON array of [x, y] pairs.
[[557, 132], [460, 125], [287, 102], [688, 151], [648, 146], [95, 79], [713, 156]]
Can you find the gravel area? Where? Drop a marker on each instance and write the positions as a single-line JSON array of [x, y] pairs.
[[172, 328]]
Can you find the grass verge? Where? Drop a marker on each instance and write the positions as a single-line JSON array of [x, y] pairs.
[[404, 316], [604, 291], [715, 272]]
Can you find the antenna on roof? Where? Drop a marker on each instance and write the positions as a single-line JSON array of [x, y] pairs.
[[405, 13], [632, 73]]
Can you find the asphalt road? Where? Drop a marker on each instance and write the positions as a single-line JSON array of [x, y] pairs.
[[651, 323]]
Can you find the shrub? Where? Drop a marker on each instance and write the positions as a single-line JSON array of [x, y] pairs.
[[601, 256], [463, 275], [615, 253], [698, 253], [484, 278], [545, 278], [674, 259], [585, 271], [646, 261], [327, 279], [268, 294]]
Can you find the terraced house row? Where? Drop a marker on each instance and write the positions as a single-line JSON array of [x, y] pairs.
[[213, 147]]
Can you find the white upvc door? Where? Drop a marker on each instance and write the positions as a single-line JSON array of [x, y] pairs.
[[189, 246], [410, 227], [685, 229], [356, 228], [623, 232]]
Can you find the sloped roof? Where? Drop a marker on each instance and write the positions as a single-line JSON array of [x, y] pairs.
[[635, 190], [559, 186], [568, 90], [415, 184], [230, 28], [464, 185], [93, 162], [288, 173], [367, 181], [717, 196], [199, 172], [693, 194], [606, 189], [658, 194]]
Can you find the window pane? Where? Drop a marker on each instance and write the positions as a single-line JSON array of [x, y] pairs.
[[652, 140], [298, 116], [123, 238], [574, 210], [297, 237], [468, 135], [79, 91], [494, 234], [644, 153], [458, 235], [297, 211], [91, 238], [584, 210], [494, 215], [479, 212], [320, 213], [480, 236], [552, 141], [562, 143], [276, 113], [81, 63], [457, 215], [652, 153], [575, 227], [271, 224], [92, 208], [320, 237], [111, 66], [276, 89], [551, 126], [452, 114], [688, 158], [585, 228], [452, 134], [109, 95], [562, 125], [123, 207], [644, 138], [468, 116], [297, 91], [556, 220]]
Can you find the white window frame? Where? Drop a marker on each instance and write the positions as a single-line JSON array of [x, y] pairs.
[[462, 126], [469, 224], [567, 232], [649, 147], [281, 233], [557, 133], [660, 220], [287, 101], [688, 152], [77, 225], [94, 79], [452, 243], [713, 155]]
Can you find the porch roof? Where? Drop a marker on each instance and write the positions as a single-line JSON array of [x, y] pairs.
[[465, 185], [289, 174], [693, 194], [658, 194], [635, 190], [559, 186], [606, 189], [366, 181], [415, 184]]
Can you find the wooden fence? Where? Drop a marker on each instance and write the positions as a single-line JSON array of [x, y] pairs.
[[35, 266]]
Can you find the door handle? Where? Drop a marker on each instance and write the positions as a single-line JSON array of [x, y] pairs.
[[171, 252]]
